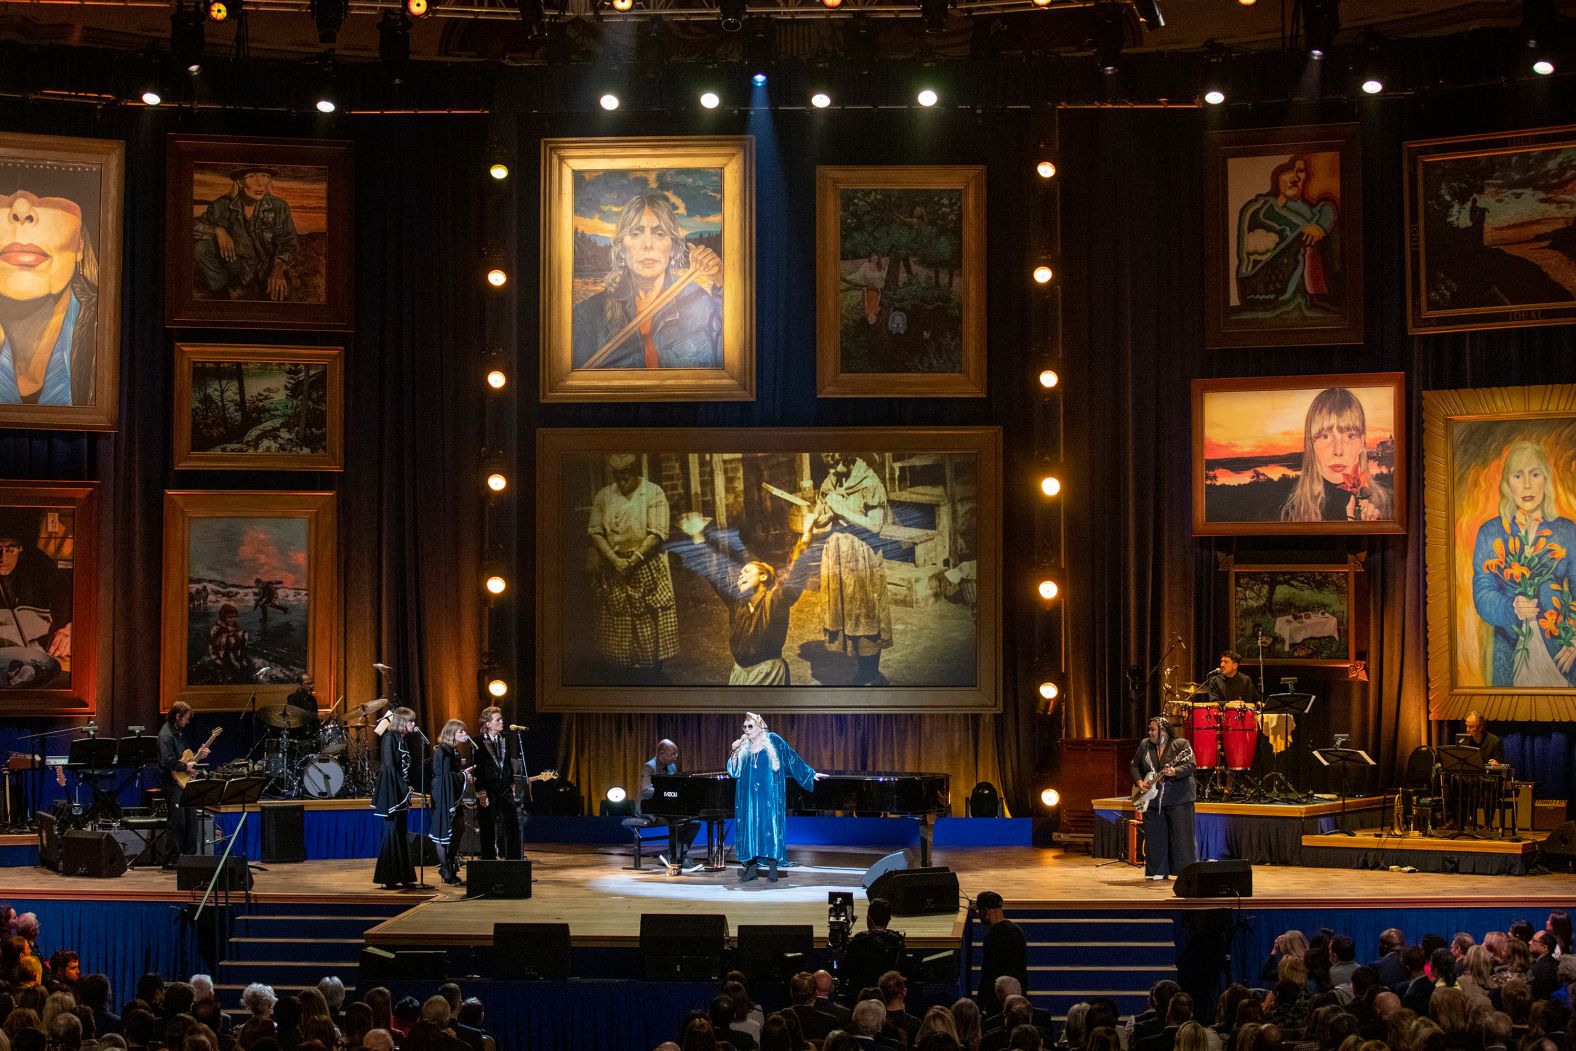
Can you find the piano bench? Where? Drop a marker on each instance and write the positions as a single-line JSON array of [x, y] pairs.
[[647, 846]]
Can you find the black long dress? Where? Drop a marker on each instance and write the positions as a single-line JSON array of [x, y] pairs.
[[448, 785], [391, 802]]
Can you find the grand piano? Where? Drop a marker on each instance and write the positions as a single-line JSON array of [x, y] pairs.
[[708, 797]]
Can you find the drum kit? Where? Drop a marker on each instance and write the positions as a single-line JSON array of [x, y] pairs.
[[1225, 739], [308, 759]]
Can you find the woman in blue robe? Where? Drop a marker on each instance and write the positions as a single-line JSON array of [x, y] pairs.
[[761, 763]]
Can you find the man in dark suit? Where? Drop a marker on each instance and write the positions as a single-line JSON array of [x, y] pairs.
[[1153, 1020], [869, 1018], [1544, 974], [1005, 950], [497, 822], [1389, 965], [826, 996], [1419, 987], [801, 1001]]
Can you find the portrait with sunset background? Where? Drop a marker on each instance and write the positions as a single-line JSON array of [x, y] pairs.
[[1299, 455], [648, 269], [1500, 500]]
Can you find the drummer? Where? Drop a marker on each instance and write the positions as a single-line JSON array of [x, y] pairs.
[[303, 698], [1228, 684]]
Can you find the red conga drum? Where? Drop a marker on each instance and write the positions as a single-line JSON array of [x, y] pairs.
[[1201, 725], [1241, 735]]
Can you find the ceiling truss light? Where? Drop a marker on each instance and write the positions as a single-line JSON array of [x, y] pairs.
[[1214, 74], [1109, 37], [710, 100], [731, 14], [927, 97], [222, 10], [1321, 23], [1539, 27], [394, 43], [329, 16], [820, 100], [420, 8], [186, 39], [934, 14], [608, 101]]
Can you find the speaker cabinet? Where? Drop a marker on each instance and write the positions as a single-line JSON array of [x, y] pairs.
[[531, 950], [913, 892], [1561, 842], [678, 944], [1215, 879], [95, 854], [774, 951], [895, 860], [193, 872], [284, 833], [497, 879], [48, 841]]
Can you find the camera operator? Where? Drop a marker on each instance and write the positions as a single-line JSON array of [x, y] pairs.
[[875, 950]]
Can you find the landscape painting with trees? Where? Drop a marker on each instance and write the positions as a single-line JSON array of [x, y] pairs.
[[1493, 230], [273, 407], [900, 261], [1301, 614]]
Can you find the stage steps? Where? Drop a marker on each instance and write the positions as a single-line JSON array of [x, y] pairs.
[[1073, 956], [291, 947]]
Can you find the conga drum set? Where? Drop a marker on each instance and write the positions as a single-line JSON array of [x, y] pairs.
[[1224, 737], [308, 759]]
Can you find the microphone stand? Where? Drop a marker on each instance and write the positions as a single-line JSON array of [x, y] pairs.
[[523, 796], [1160, 663]]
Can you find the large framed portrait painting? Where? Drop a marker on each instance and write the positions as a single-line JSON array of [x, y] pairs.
[[1299, 454], [836, 569], [250, 595], [49, 584], [1499, 469], [258, 233], [1493, 230], [648, 269], [1283, 237], [60, 221]]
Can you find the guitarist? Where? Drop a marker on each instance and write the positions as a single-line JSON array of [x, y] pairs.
[[172, 751], [1166, 763]]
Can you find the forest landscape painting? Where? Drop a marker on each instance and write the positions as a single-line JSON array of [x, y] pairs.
[[258, 407]]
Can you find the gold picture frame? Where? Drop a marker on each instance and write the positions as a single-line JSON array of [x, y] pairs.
[[90, 174], [752, 490], [213, 541], [212, 407], [1481, 653], [864, 323], [1307, 612], [603, 338]]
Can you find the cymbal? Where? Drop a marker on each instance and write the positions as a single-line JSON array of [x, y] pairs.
[[283, 716], [367, 709], [1192, 687]]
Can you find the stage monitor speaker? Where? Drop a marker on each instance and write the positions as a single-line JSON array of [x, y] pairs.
[[497, 879], [1561, 842], [284, 833], [48, 841], [95, 854], [679, 944], [891, 863], [531, 951], [1215, 879], [141, 845], [413, 964], [913, 892], [193, 872], [774, 951]]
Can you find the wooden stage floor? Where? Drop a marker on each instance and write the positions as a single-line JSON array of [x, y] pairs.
[[602, 900]]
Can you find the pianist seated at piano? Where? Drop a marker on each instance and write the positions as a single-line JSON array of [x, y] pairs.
[[1492, 747], [761, 763]]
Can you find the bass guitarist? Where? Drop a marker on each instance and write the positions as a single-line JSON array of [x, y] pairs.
[[1163, 790], [173, 759]]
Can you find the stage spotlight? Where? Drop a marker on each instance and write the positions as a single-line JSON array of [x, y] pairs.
[[495, 269], [1540, 23], [1373, 86], [1050, 798], [934, 14], [984, 800], [497, 481], [616, 794], [1045, 170], [1049, 690], [731, 15], [1321, 22], [329, 16], [325, 105], [420, 8], [927, 97], [1214, 92], [710, 100], [1110, 35], [831, 5], [495, 584], [1542, 67], [1048, 589], [1043, 274], [186, 39], [616, 803], [758, 79], [1049, 378], [1042, 3], [497, 378], [820, 100], [608, 101], [1247, 3], [1050, 485], [1371, 66], [221, 10], [151, 97], [498, 170], [498, 687]]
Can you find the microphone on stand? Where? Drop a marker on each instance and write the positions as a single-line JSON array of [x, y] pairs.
[[517, 726], [258, 675], [381, 667], [1181, 643]]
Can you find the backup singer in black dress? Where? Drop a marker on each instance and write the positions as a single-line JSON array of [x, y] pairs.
[[449, 774], [391, 802]]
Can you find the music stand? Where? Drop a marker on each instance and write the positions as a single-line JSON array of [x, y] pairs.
[[1461, 763], [93, 760], [137, 751], [1290, 703], [1343, 760], [211, 794]]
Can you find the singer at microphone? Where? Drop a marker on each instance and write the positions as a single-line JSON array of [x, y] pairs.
[[500, 771], [1227, 683]]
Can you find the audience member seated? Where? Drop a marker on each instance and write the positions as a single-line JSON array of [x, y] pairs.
[[1389, 963], [826, 997], [1153, 1020], [894, 995], [869, 1019], [966, 1016], [721, 1014], [1343, 960], [813, 1022]]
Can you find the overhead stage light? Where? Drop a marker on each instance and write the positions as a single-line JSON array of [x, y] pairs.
[[186, 39], [730, 13], [496, 584], [820, 100], [221, 10], [608, 101], [1110, 36], [420, 8], [623, 6], [497, 686], [151, 97], [934, 14], [1045, 170], [1049, 378], [1049, 690], [710, 100], [329, 16], [1321, 22], [1043, 274], [1048, 589], [497, 379], [1050, 798], [927, 97], [394, 42], [1050, 485]]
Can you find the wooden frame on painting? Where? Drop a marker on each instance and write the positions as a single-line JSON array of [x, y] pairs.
[[294, 270], [259, 407], [877, 553], [73, 375], [667, 222], [1491, 237], [1499, 502], [1299, 455], [1304, 611], [49, 560], [1270, 280], [251, 596], [886, 238]]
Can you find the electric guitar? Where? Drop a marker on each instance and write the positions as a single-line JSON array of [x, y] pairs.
[[180, 776], [1146, 790]]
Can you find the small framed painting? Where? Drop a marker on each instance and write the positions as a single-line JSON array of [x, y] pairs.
[[259, 408], [1293, 614]]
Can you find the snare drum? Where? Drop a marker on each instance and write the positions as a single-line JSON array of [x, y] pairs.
[[1202, 723], [331, 739], [1241, 735], [322, 777]]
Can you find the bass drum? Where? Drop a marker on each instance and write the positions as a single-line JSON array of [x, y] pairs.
[[322, 777]]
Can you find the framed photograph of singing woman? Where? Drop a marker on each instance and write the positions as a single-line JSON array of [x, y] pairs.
[[60, 217], [1299, 454], [1283, 258], [648, 269]]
